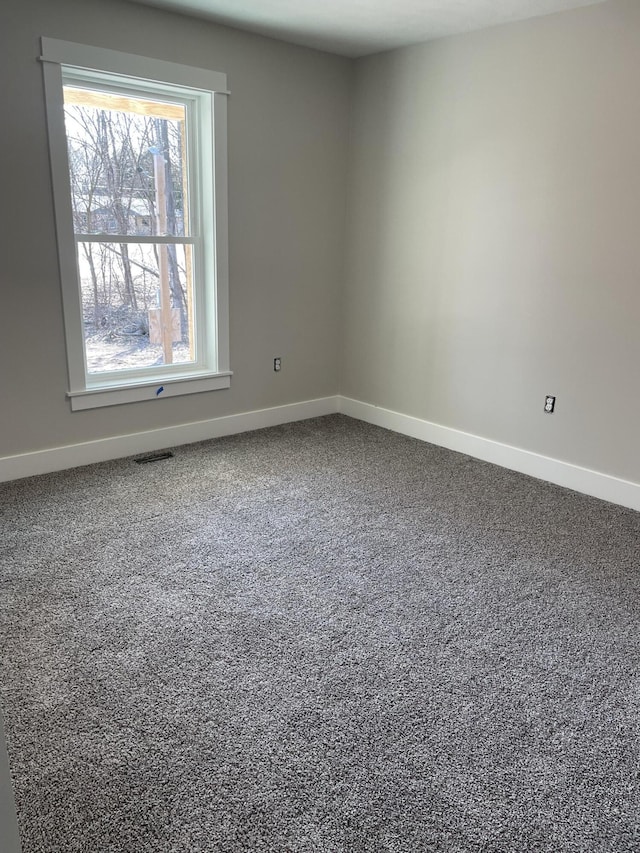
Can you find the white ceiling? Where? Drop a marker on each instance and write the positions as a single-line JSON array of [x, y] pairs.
[[358, 27]]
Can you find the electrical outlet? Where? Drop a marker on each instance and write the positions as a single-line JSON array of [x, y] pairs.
[[277, 364], [549, 404]]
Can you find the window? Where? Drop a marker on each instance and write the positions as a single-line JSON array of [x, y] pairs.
[[138, 159]]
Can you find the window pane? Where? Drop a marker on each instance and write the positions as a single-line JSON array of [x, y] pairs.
[[127, 163], [137, 305]]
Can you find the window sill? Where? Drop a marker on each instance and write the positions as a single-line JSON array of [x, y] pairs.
[[92, 398]]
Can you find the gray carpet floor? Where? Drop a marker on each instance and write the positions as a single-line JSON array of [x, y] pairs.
[[319, 637]]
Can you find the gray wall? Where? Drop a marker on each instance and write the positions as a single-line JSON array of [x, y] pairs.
[[288, 117], [494, 235], [491, 243]]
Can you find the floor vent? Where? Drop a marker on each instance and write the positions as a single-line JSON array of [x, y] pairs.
[[154, 457]]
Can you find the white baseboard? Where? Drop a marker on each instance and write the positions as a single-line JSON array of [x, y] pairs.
[[565, 474], [70, 456]]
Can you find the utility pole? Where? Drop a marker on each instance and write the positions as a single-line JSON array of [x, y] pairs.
[[186, 225], [163, 256]]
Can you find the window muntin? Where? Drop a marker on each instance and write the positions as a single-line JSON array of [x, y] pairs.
[[144, 176]]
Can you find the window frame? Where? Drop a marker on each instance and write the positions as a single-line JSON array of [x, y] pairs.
[[211, 370]]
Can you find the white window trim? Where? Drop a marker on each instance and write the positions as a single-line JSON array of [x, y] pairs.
[[85, 392]]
